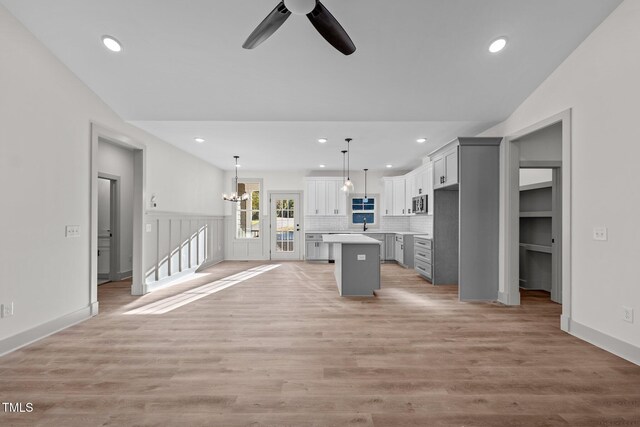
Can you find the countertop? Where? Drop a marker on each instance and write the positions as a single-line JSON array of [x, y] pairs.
[[359, 239]]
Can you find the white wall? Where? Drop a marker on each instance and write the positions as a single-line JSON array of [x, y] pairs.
[[535, 176], [118, 161], [600, 83], [542, 145], [45, 115]]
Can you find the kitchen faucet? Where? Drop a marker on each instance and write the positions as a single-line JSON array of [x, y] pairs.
[[364, 226]]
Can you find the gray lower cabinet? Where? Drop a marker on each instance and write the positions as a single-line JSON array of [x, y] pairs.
[[315, 248], [390, 247], [422, 257], [404, 250], [380, 238], [399, 251]]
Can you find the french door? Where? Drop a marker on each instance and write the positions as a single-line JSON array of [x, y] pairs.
[[285, 226]]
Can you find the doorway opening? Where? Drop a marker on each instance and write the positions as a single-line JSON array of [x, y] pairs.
[[117, 213], [285, 225], [535, 218], [540, 232]]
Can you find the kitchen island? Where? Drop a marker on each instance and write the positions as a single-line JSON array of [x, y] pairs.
[[357, 263]]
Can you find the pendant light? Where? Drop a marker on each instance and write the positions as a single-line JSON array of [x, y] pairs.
[[348, 185], [365, 200], [344, 176], [235, 197]]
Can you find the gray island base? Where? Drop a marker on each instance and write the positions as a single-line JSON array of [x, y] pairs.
[[357, 262]]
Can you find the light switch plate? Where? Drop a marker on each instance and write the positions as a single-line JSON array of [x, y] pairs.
[[149, 229], [362, 257], [6, 310], [600, 234], [72, 231], [627, 314]]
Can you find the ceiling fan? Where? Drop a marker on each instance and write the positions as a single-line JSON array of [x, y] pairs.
[[320, 17]]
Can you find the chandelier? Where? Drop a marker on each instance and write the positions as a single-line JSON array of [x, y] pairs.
[[235, 196]]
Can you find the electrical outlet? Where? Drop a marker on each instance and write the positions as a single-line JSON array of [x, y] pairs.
[[627, 314], [6, 310], [600, 234], [72, 231]]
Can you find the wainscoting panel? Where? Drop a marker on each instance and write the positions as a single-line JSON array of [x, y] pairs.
[[176, 244]]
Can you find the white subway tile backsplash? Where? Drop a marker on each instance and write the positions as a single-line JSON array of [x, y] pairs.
[[421, 224], [387, 223], [394, 223], [325, 223]]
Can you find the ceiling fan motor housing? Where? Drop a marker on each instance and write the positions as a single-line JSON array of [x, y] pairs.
[[300, 7]]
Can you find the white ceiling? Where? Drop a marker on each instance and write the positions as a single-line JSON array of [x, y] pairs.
[[183, 72]]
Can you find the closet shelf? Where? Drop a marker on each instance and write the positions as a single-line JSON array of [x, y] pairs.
[[538, 214], [536, 248]]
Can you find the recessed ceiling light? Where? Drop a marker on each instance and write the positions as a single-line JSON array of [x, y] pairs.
[[497, 45], [389, 166], [421, 140], [111, 43], [323, 166], [199, 140], [322, 140]]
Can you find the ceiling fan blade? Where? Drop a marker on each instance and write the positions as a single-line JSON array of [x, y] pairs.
[[268, 26], [330, 29]]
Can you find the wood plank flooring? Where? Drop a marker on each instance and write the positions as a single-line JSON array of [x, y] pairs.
[[284, 349]]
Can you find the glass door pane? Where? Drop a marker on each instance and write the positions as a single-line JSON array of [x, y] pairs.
[[285, 225]]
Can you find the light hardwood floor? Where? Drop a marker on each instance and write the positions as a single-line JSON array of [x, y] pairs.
[[284, 349]]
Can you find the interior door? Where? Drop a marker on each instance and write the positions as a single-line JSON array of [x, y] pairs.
[[285, 226], [104, 229], [556, 234]]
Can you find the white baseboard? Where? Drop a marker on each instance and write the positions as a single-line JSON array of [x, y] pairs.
[[564, 322], [613, 345], [503, 297], [209, 264], [168, 281], [19, 340], [124, 275]]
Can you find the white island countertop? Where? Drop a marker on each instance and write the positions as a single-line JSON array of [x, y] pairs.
[[358, 239]]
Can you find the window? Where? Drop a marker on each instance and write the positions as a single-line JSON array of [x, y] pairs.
[[248, 211], [363, 210]]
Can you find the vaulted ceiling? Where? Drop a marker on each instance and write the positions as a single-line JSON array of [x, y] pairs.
[[421, 69]]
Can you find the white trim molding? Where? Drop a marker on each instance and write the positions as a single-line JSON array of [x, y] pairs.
[[606, 342], [24, 338]]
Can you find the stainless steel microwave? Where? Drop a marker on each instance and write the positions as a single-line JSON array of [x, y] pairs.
[[421, 204]]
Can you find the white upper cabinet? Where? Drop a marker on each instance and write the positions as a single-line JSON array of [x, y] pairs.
[[410, 192], [399, 200], [387, 197], [445, 168], [336, 198], [427, 187], [324, 197], [399, 191]]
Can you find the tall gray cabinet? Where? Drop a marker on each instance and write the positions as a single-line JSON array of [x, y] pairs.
[[465, 217]]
